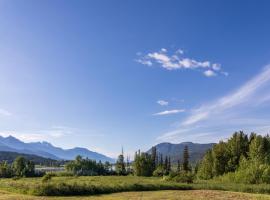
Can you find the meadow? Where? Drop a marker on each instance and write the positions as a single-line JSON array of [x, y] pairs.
[[106, 185]]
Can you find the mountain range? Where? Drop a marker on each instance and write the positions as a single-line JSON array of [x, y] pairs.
[[175, 151], [47, 150]]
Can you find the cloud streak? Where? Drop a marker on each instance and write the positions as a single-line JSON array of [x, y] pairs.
[[163, 103], [169, 112], [229, 113], [238, 97], [178, 61]]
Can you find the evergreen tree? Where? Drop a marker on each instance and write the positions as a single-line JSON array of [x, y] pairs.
[[161, 160], [142, 165], [154, 157], [178, 166], [169, 164], [186, 159], [237, 146], [220, 158], [120, 164], [205, 169]]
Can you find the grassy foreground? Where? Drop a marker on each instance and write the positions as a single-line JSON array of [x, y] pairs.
[[95, 185], [164, 195], [88, 185]]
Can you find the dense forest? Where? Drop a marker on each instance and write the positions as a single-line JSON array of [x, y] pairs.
[[242, 158]]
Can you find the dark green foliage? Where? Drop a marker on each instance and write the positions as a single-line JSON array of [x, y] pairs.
[[120, 168], [181, 177], [143, 165], [19, 168], [205, 169], [87, 167], [178, 166], [240, 159], [23, 168], [5, 170], [154, 157], [220, 158], [186, 159], [237, 146], [159, 171]]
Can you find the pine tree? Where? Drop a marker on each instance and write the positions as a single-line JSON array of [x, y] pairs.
[[169, 164], [186, 159], [154, 157], [161, 160], [120, 164], [178, 166], [166, 163]]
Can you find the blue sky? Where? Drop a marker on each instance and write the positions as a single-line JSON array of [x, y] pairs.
[[106, 74]]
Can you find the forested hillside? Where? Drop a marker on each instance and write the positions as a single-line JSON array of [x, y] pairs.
[[9, 157], [175, 151]]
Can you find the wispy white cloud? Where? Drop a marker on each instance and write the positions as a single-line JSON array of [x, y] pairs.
[[169, 112], [177, 61], [209, 73], [238, 97], [5, 113], [239, 109], [163, 103]]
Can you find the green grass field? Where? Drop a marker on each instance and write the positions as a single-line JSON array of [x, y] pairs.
[[111, 186]]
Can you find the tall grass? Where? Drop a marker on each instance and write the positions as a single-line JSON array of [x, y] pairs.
[[65, 186]]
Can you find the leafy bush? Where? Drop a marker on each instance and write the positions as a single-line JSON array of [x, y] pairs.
[[159, 172], [181, 177], [47, 177]]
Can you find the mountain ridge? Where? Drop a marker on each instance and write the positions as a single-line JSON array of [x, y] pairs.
[[175, 150], [47, 150]]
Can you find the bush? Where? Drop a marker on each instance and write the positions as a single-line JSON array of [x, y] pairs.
[[182, 177], [159, 172], [47, 177]]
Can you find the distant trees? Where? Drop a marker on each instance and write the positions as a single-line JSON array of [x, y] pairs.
[[5, 170], [120, 168], [88, 167], [143, 164], [19, 168], [186, 159]]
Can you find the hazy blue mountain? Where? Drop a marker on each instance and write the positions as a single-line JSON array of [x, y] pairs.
[[175, 151], [11, 156], [47, 150]]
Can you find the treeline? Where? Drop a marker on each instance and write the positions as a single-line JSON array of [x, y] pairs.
[[144, 164], [88, 167], [19, 168], [242, 158], [155, 164]]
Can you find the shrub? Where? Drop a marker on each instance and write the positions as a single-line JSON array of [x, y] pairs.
[[159, 171], [182, 177], [47, 177]]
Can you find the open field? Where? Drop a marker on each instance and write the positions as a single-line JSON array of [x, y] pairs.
[[88, 185], [156, 195], [95, 185]]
